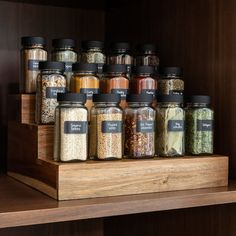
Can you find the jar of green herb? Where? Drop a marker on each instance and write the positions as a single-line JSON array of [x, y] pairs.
[[199, 126]]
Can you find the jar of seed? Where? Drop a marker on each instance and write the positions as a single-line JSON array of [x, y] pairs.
[[199, 126], [170, 126], [115, 81], [171, 81], [64, 50], [33, 50], [106, 126], [50, 82], [139, 122], [71, 128]]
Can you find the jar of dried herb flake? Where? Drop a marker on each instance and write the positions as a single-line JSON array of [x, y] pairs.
[[64, 50], [71, 128], [106, 127], [199, 126], [50, 82], [170, 126], [139, 122]]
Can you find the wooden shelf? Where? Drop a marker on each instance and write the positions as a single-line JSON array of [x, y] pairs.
[[20, 205]]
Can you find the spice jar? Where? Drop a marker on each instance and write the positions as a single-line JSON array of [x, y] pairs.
[[115, 81], [199, 126], [85, 80], [120, 54], [171, 81], [170, 126], [33, 50], [106, 127], [50, 82], [71, 128], [139, 122], [64, 50]]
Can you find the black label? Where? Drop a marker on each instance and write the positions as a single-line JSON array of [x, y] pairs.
[[111, 126], [51, 92], [100, 68], [176, 92], [145, 126], [75, 127], [176, 125], [122, 92], [128, 68], [149, 92], [33, 65], [68, 66], [89, 92], [204, 125]]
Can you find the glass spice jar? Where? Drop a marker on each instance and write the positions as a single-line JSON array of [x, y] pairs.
[[171, 81], [33, 50], [115, 81], [139, 122], [50, 82], [170, 126], [106, 127], [64, 50], [71, 128], [199, 126]]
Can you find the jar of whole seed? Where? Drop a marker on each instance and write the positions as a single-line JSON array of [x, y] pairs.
[[120, 54], [139, 122], [64, 50], [106, 126], [50, 82], [85, 80], [171, 81], [170, 126], [71, 128], [199, 126], [115, 81], [33, 50]]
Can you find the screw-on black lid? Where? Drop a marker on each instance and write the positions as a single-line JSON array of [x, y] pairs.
[[115, 68], [110, 97], [62, 43], [124, 46], [139, 98], [178, 71], [170, 98], [85, 67], [143, 70], [51, 65], [28, 41], [71, 97], [143, 48], [88, 44], [200, 99]]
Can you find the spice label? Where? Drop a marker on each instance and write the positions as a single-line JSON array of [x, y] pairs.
[[176, 92], [145, 126], [51, 92], [68, 66], [149, 91], [175, 125], [122, 92], [75, 127], [111, 126], [204, 125], [89, 92], [100, 68], [33, 65], [128, 68]]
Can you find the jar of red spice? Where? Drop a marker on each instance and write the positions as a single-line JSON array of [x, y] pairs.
[[115, 81]]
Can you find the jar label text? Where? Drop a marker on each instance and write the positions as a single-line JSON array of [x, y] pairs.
[[176, 92], [51, 92], [100, 67], [175, 125], [204, 125], [122, 92], [89, 92], [75, 127], [111, 126], [68, 66], [149, 91], [33, 65], [145, 126]]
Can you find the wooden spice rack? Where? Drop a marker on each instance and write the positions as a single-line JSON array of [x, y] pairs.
[[30, 161]]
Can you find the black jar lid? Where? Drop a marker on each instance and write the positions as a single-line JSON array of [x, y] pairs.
[[71, 97], [200, 99], [178, 71], [85, 67], [109, 97], [170, 98], [116, 46], [62, 43], [143, 70], [29, 41], [146, 98], [121, 68], [147, 47], [51, 65], [88, 44]]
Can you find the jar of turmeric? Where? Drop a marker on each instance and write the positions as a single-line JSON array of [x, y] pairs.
[[85, 80]]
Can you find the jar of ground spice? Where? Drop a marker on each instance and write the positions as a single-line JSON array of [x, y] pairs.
[[106, 126], [33, 50], [50, 82], [170, 126], [115, 81], [71, 128], [64, 50], [199, 126], [139, 122], [171, 81]]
